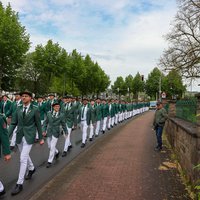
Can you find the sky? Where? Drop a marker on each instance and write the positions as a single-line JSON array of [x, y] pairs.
[[123, 36]]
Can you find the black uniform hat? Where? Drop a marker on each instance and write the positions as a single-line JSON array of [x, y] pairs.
[[51, 94], [56, 103], [26, 92]]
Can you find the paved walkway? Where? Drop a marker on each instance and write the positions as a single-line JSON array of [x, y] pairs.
[[122, 165]]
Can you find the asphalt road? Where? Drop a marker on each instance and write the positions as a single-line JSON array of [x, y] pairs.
[[39, 155]]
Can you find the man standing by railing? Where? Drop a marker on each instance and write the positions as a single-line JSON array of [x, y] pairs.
[[159, 122]]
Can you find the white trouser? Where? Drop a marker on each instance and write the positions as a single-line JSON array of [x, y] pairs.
[[67, 139], [112, 121], [91, 130], [109, 122], [97, 127], [37, 136], [13, 139], [116, 118], [52, 141], [84, 127], [1, 186], [104, 123], [120, 117], [25, 160]]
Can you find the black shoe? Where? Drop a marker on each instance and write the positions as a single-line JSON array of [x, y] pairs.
[[30, 173], [158, 148], [69, 147], [48, 165], [12, 148], [103, 132], [64, 154], [108, 128], [2, 192], [90, 139], [82, 145], [57, 155], [17, 189]]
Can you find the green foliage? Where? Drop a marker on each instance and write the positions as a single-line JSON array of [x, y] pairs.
[[173, 85], [119, 86], [138, 85], [152, 83], [14, 43]]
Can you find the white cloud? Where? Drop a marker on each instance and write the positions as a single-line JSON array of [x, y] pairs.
[[123, 36]]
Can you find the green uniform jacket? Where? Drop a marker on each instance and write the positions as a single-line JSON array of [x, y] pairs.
[[70, 112], [13, 108], [26, 127], [98, 112], [7, 106], [112, 110], [105, 110], [88, 115], [92, 114], [77, 106], [42, 110], [52, 124], [49, 105], [4, 140]]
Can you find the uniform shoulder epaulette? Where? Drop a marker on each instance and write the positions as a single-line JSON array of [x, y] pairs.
[[35, 106]]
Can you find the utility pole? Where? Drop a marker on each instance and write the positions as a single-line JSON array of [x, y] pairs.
[[160, 88]]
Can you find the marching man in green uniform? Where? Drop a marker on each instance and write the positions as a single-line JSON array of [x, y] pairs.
[[51, 128], [10, 114], [93, 118], [84, 120], [6, 104], [4, 145], [27, 121], [69, 111], [105, 113], [42, 109], [98, 116], [50, 102]]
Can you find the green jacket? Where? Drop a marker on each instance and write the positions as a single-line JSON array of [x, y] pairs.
[[49, 104], [4, 140], [70, 114], [42, 110], [160, 117], [26, 126], [52, 124], [6, 108], [88, 114], [105, 110], [13, 108], [112, 112], [98, 112], [77, 106], [92, 114]]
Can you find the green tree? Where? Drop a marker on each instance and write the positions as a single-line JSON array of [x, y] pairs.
[[14, 43], [119, 86], [152, 83], [51, 61], [173, 85], [138, 85]]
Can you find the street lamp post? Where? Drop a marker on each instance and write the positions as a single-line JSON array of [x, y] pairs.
[[160, 88]]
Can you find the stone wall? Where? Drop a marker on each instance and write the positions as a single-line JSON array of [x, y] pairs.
[[184, 140], [184, 137]]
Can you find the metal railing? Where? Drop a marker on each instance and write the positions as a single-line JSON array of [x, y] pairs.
[[187, 110]]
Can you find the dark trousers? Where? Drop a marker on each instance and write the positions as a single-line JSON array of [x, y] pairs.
[[159, 130]]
